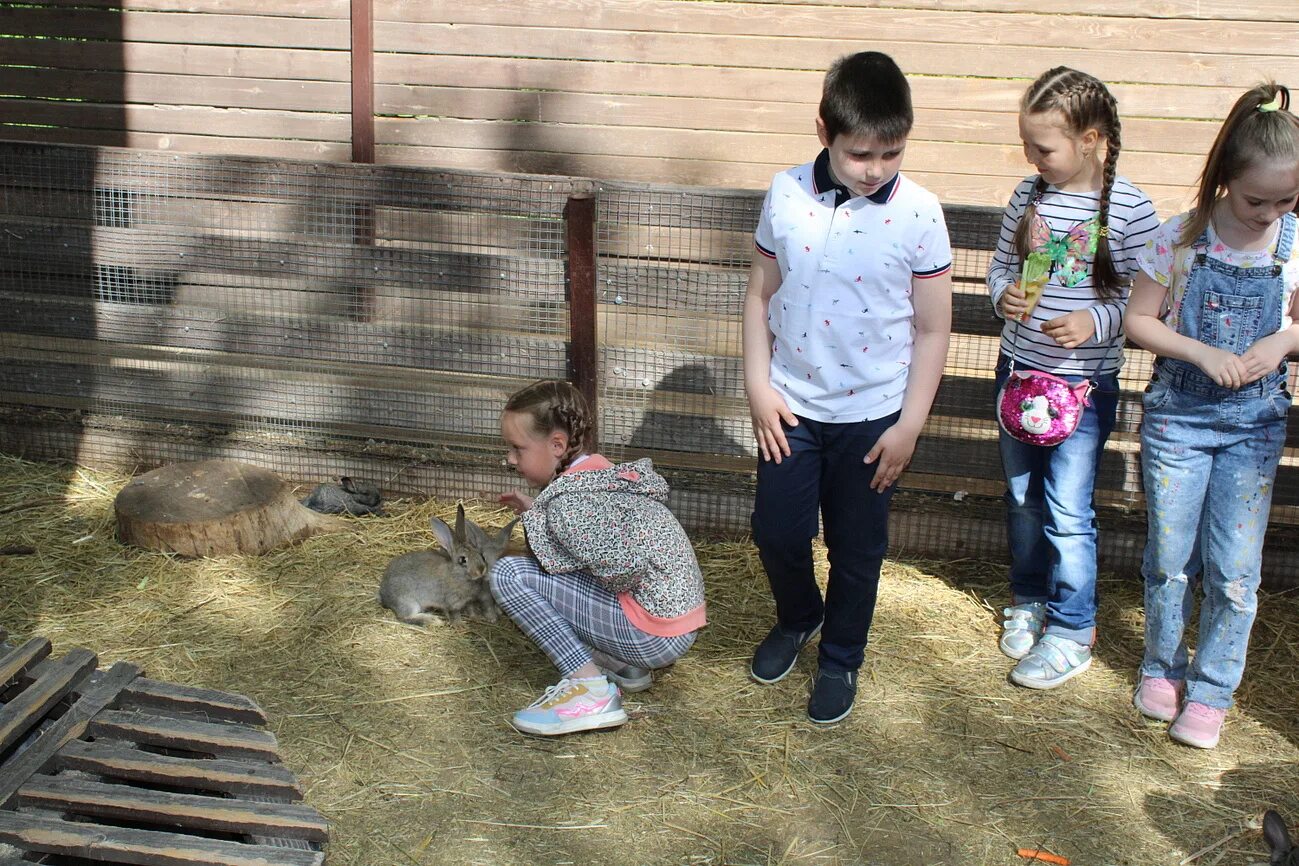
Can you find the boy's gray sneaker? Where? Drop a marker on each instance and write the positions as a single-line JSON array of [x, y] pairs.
[[1021, 628], [1052, 660], [775, 656]]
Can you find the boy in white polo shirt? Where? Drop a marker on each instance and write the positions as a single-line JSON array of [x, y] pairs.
[[846, 323]]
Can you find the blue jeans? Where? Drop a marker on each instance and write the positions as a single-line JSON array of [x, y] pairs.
[[1208, 458], [825, 472], [1050, 515]]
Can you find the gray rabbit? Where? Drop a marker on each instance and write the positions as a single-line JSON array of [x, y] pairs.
[[347, 497], [1278, 839], [451, 580]]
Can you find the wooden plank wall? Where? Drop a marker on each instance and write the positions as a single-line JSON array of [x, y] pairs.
[[212, 76], [668, 91]]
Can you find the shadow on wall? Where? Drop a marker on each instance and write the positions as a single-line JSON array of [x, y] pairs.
[[677, 416]]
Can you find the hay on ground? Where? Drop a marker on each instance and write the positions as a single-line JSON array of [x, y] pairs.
[[399, 734]]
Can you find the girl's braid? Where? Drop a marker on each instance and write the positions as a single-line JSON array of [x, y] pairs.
[[1105, 277], [571, 416]]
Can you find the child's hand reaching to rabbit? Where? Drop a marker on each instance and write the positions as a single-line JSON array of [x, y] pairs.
[[517, 500]]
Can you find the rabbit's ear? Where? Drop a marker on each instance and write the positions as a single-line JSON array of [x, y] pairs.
[[502, 539], [475, 537], [443, 533], [460, 521], [1274, 831]]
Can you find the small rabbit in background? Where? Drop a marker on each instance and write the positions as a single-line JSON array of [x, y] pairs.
[[1278, 839], [348, 497], [451, 580]]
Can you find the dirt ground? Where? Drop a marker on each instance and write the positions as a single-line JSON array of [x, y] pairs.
[[399, 735]]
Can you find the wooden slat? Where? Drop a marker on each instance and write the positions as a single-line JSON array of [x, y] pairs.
[[166, 27], [162, 249], [869, 25], [53, 683], [966, 188], [184, 120], [210, 704], [295, 8], [202, 60], [163, 89], [204, 738], [144, 847], [120, 761], [1210, 10], [917, 57], [1187, 98], [69, 726], [735, 115], [170, 809], [18, 659], [998, 160]]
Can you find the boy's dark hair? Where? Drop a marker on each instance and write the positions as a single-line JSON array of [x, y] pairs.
[[1260, 128], [866, 94]]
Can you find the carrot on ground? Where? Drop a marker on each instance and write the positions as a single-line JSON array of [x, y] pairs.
[[1042, 856]]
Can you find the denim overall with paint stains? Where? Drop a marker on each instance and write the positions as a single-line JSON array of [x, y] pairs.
[[1209, 456]]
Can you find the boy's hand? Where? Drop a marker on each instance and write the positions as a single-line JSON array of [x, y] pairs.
[[1223, 367], [1264, 356], [1072, 329], [893, 452], [517, 500], [767, 410], [1014, 304]]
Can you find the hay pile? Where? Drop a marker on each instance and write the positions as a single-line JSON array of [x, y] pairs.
[[399, 734]]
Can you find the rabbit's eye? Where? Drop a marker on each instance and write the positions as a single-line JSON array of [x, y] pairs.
[[464, 560]]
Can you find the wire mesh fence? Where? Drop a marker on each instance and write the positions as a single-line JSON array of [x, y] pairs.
[[326, 319]]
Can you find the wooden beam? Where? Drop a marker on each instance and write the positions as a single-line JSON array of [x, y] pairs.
[[579, 224], [362, 80]]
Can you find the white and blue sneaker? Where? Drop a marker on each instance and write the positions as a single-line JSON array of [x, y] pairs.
[[1022, 628], [570, 706], [1052, 660]]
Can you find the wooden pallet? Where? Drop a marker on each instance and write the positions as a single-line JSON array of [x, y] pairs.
[[112, 767]]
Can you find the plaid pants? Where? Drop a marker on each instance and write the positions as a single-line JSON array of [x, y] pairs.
[[567, 615]]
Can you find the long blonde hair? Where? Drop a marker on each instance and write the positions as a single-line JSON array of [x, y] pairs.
[[1085, 103], [1248, 136]]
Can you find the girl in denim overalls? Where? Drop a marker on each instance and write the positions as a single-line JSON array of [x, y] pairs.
[[1215, 301]]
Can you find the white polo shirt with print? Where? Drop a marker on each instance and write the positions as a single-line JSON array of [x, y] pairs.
[[841, 320]]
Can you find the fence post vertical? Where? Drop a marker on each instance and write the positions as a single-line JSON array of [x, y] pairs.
[[362, 64], [362, 58], [579, 240]]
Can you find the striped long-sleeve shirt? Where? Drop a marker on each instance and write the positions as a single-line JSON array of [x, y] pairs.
[[1131, 219]]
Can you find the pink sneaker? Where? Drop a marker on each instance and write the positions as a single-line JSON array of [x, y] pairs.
[[1157, 698], [1198, 725]]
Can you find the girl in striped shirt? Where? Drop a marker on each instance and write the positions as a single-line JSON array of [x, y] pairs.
[[1090, 223]]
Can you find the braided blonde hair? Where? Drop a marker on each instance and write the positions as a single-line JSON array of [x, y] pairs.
[[552, 405], [1085, 103]]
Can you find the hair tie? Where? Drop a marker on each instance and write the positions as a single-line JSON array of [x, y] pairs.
[[1280, 101], [1103, 232]]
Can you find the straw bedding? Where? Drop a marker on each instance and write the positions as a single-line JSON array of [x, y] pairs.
[[399, 734]]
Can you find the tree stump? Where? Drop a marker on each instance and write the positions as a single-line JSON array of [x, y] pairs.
[[214, 508]]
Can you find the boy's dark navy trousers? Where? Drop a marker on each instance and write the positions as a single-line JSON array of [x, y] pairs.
[[825, 472]]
